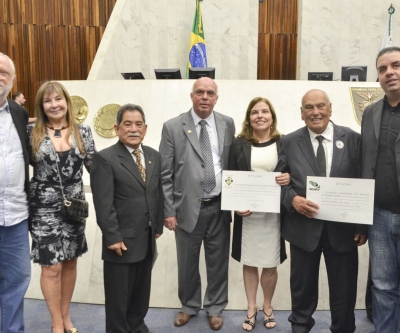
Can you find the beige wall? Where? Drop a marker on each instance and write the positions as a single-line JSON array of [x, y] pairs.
[[340, 33]]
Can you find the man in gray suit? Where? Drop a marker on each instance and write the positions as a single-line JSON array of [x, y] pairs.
[[127, 195], [324, 149], [380, 132], [195, 149]]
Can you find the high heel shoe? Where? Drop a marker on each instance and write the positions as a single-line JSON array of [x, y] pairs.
[[72, 330], [269, 320], [249, 322]]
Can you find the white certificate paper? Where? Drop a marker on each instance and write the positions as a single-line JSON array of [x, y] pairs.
[[256, 191], [342, 199]]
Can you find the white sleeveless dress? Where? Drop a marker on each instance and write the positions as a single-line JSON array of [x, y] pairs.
[[261, 232]]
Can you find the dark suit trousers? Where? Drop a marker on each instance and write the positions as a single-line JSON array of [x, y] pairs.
[[342, 271], [127, 293], [214, 231]]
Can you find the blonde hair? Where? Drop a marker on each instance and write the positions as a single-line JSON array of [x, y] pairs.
[[247, 130], [39, 130]]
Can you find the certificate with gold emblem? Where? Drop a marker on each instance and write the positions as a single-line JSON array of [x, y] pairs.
[[247, 190], [342, 199]]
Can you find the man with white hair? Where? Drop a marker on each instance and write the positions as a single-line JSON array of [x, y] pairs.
[[15, 269]]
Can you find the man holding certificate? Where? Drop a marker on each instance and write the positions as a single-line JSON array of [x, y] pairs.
[[323, 149]]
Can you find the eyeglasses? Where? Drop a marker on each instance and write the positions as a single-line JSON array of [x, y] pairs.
[[4, 75], [209, 93]]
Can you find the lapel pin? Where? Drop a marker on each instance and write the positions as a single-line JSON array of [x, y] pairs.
[[149, 162], [339, 144], [189, 131]]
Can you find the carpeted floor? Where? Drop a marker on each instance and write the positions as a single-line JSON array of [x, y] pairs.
[[89, 318]]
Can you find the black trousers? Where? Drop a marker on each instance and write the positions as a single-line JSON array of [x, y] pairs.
[[342, 271], [127, 295]]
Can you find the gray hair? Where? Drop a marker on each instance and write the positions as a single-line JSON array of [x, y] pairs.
[[129, 107], [11, 62], [326, 95]]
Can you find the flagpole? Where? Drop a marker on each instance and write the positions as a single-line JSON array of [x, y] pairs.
[[387, 36]]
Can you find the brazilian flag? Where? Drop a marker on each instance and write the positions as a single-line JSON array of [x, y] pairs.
[[197, 48]]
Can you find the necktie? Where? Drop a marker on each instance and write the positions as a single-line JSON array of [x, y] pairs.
[[209, 174], [321, 157], [142, 170]]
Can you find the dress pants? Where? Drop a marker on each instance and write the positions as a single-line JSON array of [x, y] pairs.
[[127, 295], [342, 271], [214, 231], [15, 274]]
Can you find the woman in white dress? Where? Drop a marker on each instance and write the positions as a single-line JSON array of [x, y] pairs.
[[257, 240]]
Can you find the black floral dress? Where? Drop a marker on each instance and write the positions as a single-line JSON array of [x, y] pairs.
[[55, 238]]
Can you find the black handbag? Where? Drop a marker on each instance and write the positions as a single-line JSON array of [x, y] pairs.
[[73, 209]]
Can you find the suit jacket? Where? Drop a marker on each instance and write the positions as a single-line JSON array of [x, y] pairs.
[[240, 159], [20, 118], [299, 160], [183, 169], [370, 128], [124, 203]]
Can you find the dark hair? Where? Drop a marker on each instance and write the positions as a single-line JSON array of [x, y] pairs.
[[129, 107], [247, 130], [384, 51], [16, 94]]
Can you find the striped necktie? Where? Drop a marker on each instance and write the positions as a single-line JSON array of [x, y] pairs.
[[209, 173]]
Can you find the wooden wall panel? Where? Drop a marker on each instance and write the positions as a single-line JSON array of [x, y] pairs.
[[51, 40], [277, 40]]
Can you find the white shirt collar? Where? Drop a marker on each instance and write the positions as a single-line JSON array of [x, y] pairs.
[[197, 119], [5, 107], [327, 134], [130, 149]]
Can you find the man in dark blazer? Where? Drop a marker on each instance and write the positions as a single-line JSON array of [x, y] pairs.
[[308, 236], [15, 269], [193, 205], [127, 195], [380, 132]]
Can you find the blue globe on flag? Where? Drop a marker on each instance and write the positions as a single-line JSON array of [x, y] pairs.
[[198, 56]]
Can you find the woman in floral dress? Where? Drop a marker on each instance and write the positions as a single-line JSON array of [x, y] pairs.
[[57, 140]]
